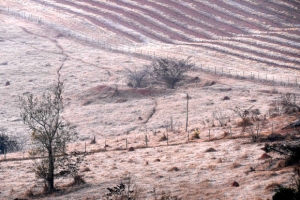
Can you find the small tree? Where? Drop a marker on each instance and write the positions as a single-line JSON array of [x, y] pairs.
[[170, 70], [7, 144], [50, 133], [221, 116], [136, 77]]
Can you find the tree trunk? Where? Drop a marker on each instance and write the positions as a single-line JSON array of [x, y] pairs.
[[50, 178]]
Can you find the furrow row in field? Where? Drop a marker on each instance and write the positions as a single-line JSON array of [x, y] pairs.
[[238, 53], [161, 17], [286, 50], [222, 17], [263, 53], [288, 36], [283, 10], [183, 20], [258, 17], [141, 20], [219, 22], [250, 13], [99, 22], [192, 18], [262, 6], [256, 25], [120, 19], [296, 3], [276, 40], [286, 4]]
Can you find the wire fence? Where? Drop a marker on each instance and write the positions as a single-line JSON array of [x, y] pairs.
[[271, 79], [123, 143]]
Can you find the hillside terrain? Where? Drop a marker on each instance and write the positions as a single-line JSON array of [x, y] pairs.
[[246, 54]]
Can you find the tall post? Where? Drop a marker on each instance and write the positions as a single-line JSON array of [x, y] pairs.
[[187, 112], [171, 123], [167, 139], [188, 136], [146, 140]]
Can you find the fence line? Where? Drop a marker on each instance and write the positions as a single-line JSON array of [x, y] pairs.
[[143, 141], [263, 78]]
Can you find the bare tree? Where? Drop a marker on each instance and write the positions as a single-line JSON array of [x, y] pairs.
[[221, 117], [244, 114], [50, 133], [170, 70], [288, 103], [136, 77]]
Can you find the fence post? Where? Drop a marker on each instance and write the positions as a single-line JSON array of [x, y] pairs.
[[146, 140], [171, 123], [126, 143], [187, 112], [167, 139], [5, 151], [188, 136], [230, 131]]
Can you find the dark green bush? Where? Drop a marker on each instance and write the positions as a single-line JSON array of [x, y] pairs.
[[291, 150], [284, 193], [7, 144]]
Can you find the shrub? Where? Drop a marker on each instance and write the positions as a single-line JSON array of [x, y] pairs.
[[7, 144], [163, 138], [284, 193], [136, 77], [196, 134], [126, 190], [168, 196], [293, 192], [289, 149], [170, 70], [221, 117]]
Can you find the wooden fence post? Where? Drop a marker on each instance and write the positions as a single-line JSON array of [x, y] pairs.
[[146, 140], [167, 139], [187, 112]]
